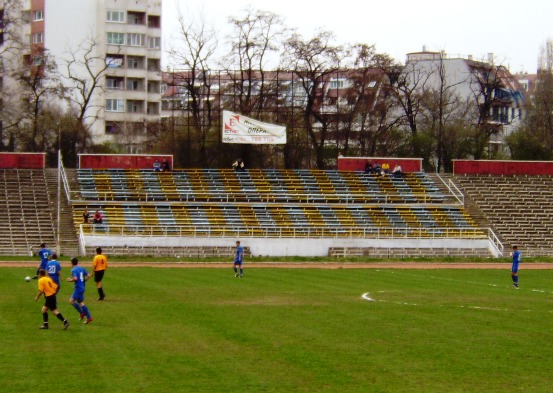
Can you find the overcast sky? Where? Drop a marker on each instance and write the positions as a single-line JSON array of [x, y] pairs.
[[513, 31]]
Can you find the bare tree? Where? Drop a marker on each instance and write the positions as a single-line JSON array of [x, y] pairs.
[[534, 141], [409, 87], [443, 106], [10, 44], [39, 85], [314, 61], [198, 46], [256, 36], [491, 100], [255, 41], [372, 118], [84, 72]]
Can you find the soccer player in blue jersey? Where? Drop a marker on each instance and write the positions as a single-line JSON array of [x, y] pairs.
[[53, 268], [44, 254], [79, 276], [516, 255], [238, 259]]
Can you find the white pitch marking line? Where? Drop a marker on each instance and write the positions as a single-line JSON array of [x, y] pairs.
[[367, 297]]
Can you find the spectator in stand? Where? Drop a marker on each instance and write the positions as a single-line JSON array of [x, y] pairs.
[[238, 165], [397, 172], [157, 166], [368, 167], [98, 217], [165, 167], [86, 216], [385, 168], [377, 169]]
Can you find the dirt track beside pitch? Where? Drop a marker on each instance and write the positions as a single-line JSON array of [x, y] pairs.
[[308, 265]]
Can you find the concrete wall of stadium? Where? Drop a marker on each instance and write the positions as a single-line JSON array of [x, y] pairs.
[[278, 247]]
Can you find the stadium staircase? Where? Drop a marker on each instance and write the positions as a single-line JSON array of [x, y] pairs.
[[29, 217], [68, 239]]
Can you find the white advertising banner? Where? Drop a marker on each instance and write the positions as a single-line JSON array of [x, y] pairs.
[[242, 129]]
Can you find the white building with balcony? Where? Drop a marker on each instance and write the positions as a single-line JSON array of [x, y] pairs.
[[122, 40]]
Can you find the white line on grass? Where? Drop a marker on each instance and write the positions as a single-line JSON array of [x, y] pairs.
[[463, 281], [367, 296]]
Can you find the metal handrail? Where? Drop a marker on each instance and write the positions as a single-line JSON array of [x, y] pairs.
[[204, 231], [250, 197]]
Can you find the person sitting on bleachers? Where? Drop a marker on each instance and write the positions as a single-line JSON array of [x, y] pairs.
[[157, 166], [385, 168], [238, 165], [397, 172], [368, 167], [98, 217], [165, 167]]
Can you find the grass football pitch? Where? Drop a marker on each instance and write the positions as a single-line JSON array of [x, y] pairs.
[[284, 330]]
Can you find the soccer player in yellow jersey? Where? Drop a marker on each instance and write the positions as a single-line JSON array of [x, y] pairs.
[[99, 266], [48, 287]]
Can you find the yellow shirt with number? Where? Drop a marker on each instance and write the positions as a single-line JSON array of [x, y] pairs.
[[100, 262], [47, 285]]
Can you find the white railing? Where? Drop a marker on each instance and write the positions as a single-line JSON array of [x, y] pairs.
[[453, 190], [65, 182], [495, 242], [251, 197], [285, 232]]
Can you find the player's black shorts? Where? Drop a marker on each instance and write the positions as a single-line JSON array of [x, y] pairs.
[[98, 275], [51, 302]]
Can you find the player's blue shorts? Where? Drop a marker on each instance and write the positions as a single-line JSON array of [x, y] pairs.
[[514, 268], [239, 263], [78, 295]]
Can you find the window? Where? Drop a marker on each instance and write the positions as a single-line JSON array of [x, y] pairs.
[[113, 105], [134, 84], [134, 107], [38, 38], [154, 42], [136, 18], [154, 21], [134, 39], [371, 84], [336, 84], [114, 83], [135, 62], [114, 61], [116, 16], [116, 38], [38, 15]]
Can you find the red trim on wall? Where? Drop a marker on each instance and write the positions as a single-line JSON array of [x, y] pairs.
[[122, 161], [22, 160], [358, 163], [488, 167]]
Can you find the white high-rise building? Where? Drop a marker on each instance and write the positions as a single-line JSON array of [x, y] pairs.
[[121, 40]]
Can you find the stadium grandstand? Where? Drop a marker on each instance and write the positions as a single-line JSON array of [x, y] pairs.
[[199, 212]]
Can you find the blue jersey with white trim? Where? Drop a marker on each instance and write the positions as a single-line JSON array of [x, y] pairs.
[[53, 268], [44, 254], [79, 272]]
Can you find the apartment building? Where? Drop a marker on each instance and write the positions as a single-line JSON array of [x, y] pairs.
[[492, 90], [122, 41]]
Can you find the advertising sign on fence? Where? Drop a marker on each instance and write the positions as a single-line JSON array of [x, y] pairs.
[[242, 129]]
